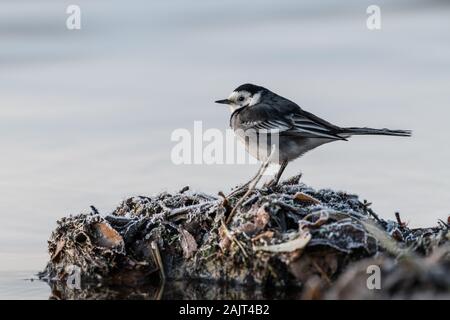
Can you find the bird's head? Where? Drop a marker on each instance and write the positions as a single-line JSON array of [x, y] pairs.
[[246, 95]]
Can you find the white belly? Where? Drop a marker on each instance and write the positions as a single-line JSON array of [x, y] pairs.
[[286, 148]]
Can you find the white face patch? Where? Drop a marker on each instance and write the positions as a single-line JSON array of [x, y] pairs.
[[255, 99], [233, 97], [243, 99]]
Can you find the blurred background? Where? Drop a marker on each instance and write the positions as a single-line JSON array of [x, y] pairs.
[[86, 115]]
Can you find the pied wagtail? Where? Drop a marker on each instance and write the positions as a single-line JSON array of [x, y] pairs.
[[262, 111]]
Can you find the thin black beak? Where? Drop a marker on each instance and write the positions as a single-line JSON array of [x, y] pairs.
[[224, 101]]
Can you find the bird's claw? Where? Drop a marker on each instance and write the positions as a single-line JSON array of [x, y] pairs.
[[270, 184], [238, 190]]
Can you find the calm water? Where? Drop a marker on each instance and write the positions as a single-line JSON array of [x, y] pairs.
[[20, 285], [86, 116]]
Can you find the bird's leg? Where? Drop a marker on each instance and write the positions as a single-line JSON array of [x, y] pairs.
[[247, 184], [277, 176], [251, 187], [254, 181]]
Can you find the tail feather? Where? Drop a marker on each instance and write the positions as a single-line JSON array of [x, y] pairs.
[[383, 132]]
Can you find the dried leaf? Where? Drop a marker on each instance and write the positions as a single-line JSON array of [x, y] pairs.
[[188, 243], [290, 246], [262, 218], [107, 237], [59, 247], [385, 241], [303, 197], [323, 217], [248, 228], [265, 236], [225, 241]]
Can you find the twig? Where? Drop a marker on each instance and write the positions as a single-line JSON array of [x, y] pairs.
[[233, 238], [399, 220], [94, 210], [251, 200], [158, 259], [159, 293], [225, 203], [177, 211], [240, 189], [446, 225], [368, 210], [224, 198], [118, 220]]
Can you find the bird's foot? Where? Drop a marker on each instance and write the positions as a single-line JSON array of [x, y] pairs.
[[270, 184], [239, 190]]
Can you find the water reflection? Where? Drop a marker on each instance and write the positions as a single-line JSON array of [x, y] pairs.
[[174, 290]]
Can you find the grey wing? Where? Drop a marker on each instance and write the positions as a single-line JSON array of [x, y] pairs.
[[307, 126], [283, 116]]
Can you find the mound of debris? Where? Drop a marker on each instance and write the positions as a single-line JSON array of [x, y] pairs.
[[289, 236]]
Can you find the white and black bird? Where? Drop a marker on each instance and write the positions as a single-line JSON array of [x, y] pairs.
[[261, 111]]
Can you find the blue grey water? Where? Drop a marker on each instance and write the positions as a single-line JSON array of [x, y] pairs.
[[86, 116]]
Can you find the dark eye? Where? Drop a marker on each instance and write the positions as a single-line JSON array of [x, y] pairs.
[[241, 98]]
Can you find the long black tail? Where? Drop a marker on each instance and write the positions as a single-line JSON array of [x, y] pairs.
[[383, 132]]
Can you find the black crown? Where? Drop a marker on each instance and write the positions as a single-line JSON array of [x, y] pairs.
[[251, 88]]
